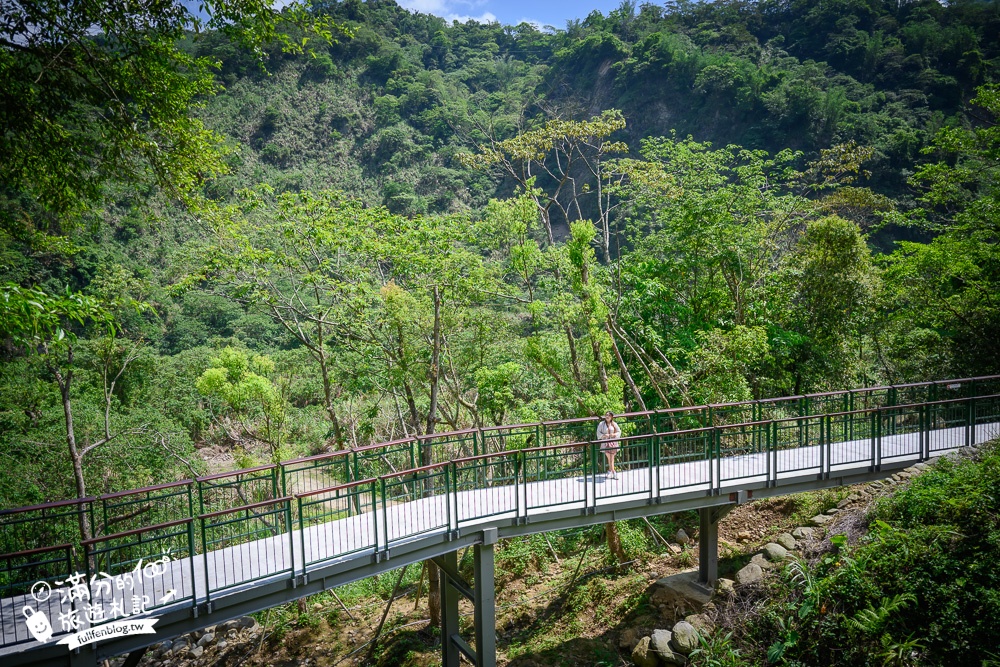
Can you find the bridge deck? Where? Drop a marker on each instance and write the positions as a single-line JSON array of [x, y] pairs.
[[352, 543]]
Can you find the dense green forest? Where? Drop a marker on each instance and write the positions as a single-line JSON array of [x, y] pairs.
[[275, 234]]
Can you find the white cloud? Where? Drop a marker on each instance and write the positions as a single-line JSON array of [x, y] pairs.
[[485, 17], [450, 10], [436, 7]]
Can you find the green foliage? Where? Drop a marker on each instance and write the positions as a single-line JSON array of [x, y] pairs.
[[917, 589]]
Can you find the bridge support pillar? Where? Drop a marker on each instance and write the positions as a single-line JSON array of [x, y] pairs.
[[483, 597], [708, 537], [708, 546]]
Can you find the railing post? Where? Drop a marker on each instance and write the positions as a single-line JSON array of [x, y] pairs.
[[654, 458], [826, 445], [302, 533], [873, 427], [291, 540], [766, 428], [970, 423], [194, 582], [878, 438], [204, 557], [385, 513], [717, 442]]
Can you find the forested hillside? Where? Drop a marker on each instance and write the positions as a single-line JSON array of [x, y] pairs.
[[405, 226]]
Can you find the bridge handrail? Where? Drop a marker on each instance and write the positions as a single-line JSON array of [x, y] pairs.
[[379, 523]]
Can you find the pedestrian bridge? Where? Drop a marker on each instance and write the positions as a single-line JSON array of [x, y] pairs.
[[195, 553]]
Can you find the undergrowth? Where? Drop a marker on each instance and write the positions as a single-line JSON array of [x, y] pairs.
[[921, 587]]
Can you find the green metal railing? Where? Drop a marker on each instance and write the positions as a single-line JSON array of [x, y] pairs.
[[148, 564], [247, 525], [240, 487], [246, 544]]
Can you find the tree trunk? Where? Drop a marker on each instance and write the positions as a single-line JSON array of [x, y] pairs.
[[572, 355], [434, 373], [602, 372], [614, 542], [328, 397], [624, 370], [433, 574], [64, 382]]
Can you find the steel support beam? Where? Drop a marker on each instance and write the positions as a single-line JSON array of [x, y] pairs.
[[483, 597], [708, 547], [134, 657], [708, 538], [485, 602], [451, 650]]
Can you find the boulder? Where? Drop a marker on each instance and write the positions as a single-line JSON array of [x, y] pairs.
[[702, 623], [628, 640], [750, 574], [206, 639], [843, 503], [832, 511], [222, 644], [820, 520], [679, 594], [724, 586], [682, 537], [643, 656], [775, 552], [685, 638], [803, 533], [197, 651], [246, 622], [762, 563], [659, 643], [786, 540]]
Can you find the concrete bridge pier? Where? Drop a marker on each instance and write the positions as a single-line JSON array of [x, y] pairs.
[[483, 596], [708, 537]]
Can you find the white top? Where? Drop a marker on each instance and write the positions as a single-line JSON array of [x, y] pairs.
[[606, 432]]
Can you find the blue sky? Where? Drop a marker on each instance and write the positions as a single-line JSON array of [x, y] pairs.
[[544, 12]]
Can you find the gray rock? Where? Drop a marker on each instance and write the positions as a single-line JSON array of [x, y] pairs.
[[786, 540], [180, 644], [803, 533], [750, 574], [821, 520], [659, 643], [761, 562], [682, 537], [642, 656], [843, 503], [775, 552], [222, 644], [702, 623], [206, 639], [680, 593], [685, 637], [629, 640], [723, 586], [832, 511], [197, 651], [248, 622]]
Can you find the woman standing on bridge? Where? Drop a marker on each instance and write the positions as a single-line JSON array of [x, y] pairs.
[[608, 433]]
